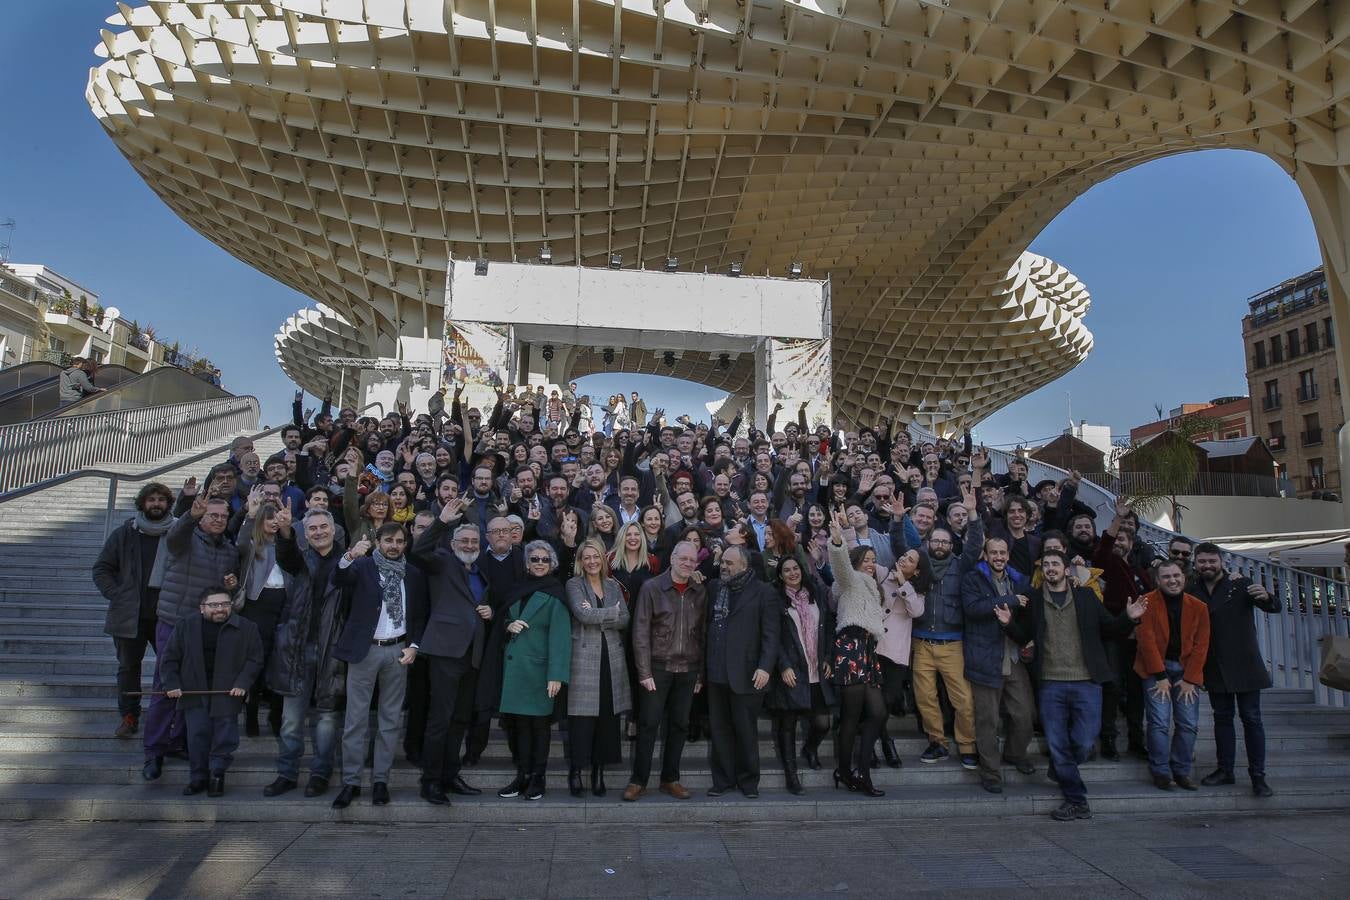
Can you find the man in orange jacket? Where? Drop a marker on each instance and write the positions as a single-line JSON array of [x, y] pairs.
[[1173, 641]]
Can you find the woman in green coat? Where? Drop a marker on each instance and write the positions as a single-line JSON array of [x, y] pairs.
[[537, 662]]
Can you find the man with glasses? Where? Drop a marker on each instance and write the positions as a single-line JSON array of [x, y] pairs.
[[200, 556], [1180, 550]]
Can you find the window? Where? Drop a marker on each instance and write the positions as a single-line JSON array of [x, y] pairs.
[[1312, 430], [1276, 350], [1292, 337], [1310, 337], [97, 355], [1276, 431], [1317, 476], [57, 344], [1307, 386], [1260, 349], [1272, 398], [1328, 333]]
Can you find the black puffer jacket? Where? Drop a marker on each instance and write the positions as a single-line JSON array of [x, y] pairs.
[[286, 673]]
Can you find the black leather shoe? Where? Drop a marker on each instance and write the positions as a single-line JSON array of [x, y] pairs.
[[1162, 782], [750, 793], [1109, 751], [1218, 777], [574, 785], [1184, 782], [194, 788], [153, 768], [889, 751], [216, 786], [1023, 765], [462, 788], [598, 781], [433, 794], [379, 794], [992, 785], [1260, 788], [279, 787], [345, 796], [811, 757], [316, 786]]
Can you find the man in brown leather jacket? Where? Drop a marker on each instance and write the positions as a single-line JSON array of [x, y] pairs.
[[668, 634]]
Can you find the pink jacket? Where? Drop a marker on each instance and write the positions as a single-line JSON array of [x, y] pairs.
[[900, 606]]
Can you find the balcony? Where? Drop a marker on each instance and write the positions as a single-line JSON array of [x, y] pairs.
[[1307, 393], [1275, 442], [1312, 437], [1271, 401]]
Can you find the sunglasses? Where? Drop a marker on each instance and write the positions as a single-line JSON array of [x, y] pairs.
[[541, 559]]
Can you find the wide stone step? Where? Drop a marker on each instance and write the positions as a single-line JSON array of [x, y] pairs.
[[96, 645], [35, 665], [32, 626], [162, 801], [76, 611], [77, 579]]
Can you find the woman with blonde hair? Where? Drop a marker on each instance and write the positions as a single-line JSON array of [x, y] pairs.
[[599, 690]]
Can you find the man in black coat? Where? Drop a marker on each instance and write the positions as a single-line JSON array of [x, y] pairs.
[[127, 576], [452, 644], [1068, 624], [215, 651], [1235, 672], [743, 621]]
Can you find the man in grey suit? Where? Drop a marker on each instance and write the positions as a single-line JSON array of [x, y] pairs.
[[452, 644]]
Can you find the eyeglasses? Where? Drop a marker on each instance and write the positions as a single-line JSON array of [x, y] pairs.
[[1184, 554], [541, 559], [222, 604], [939, 542], [499, 531]]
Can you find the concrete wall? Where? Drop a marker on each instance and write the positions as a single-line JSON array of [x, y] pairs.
[[1206, 517]]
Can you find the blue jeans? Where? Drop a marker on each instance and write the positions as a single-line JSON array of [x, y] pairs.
[[291, 737], [1248, 704], [1071, 714], [1164, 713]]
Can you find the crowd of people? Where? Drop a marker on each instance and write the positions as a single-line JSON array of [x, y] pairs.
[[405, 581]]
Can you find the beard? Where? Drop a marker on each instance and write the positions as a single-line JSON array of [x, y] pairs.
[[157, 515], [466, 556]]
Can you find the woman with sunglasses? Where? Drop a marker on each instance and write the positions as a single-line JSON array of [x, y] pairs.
[[537, 663]]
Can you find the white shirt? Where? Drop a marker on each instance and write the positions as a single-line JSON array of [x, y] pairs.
[[626, 519], [384, 628], [275, 578]]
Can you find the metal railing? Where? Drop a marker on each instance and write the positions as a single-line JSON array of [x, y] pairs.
[[1210, 484], [1311, 607], [31, 452]]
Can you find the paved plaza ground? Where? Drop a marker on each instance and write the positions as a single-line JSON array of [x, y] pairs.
[[1207, 855]]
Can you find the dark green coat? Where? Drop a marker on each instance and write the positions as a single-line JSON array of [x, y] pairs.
[[538, 655]]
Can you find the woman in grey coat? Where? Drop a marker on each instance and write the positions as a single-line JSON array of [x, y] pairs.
[[598, 692]]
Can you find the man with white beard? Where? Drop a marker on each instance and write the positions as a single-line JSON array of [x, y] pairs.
[[452, 643]]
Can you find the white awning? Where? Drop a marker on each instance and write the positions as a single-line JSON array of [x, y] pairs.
[[1308, 549]]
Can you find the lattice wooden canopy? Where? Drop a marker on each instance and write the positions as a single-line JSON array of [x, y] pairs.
[[910, 150]]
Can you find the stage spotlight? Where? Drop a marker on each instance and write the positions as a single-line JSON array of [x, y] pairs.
[[548, 353], [480, 267], [672, 263], [546, 255], [608, 356], [669, 359], [736, 268], [795, 270], [723, 361], [616, 260]]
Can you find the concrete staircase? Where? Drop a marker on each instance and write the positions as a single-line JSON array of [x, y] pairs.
[[59, 759]]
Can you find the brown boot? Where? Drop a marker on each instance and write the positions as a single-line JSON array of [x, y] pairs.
[[633, 791], [676, 790]]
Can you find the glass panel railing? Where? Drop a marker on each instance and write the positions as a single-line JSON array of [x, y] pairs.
[[43, 397]]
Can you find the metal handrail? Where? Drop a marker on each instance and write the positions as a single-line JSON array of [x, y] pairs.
[[33, 452], [1311, 607]]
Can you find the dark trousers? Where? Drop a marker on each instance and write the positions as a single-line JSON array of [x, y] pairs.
[[130, 656], [211, 742], [415, 699], [163, 725], [1124, 690], [669, 705], [1071, 714], [1248, 706], [734, 731], [533, 736], [451, 682], [1016, 694]]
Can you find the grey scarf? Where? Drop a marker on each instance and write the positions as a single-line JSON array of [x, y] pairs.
[[155, 529], [391, 585]]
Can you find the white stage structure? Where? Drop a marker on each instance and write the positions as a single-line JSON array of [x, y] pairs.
[[530, 324]]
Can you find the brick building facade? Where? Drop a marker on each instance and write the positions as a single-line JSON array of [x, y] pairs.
[[1293, 381]]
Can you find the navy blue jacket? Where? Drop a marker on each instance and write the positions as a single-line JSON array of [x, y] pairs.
[[362, 581], [983, 638]]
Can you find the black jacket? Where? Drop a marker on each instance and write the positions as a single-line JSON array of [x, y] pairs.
[[792, 655], [1234, 664], [1094, 623], [361, 579], [452, 625], [239, 659], [287, 666], [751, 632], [121, 578]]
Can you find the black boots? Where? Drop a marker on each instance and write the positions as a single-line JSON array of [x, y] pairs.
[[785, 741], [574, 785], [811, 749], [888, 749], [598, 781]]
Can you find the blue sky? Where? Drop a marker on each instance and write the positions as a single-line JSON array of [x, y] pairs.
[[1170, 252]]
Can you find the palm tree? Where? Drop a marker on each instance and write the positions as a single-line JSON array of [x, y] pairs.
[[1169, 464]]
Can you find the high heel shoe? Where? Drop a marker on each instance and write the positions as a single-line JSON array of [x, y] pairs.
[[574, 783], [888, 749], [862, 783], [844, 779]]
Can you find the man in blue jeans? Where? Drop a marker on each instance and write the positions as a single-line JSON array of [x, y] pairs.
[[1068, 624], [1235, 671], [302, 665], [1173, 640]]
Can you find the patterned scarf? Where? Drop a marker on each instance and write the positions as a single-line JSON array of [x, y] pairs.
[[391, 585], [809, 618]]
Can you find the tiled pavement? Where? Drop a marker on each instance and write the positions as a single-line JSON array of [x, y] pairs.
[[1206, 855]]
